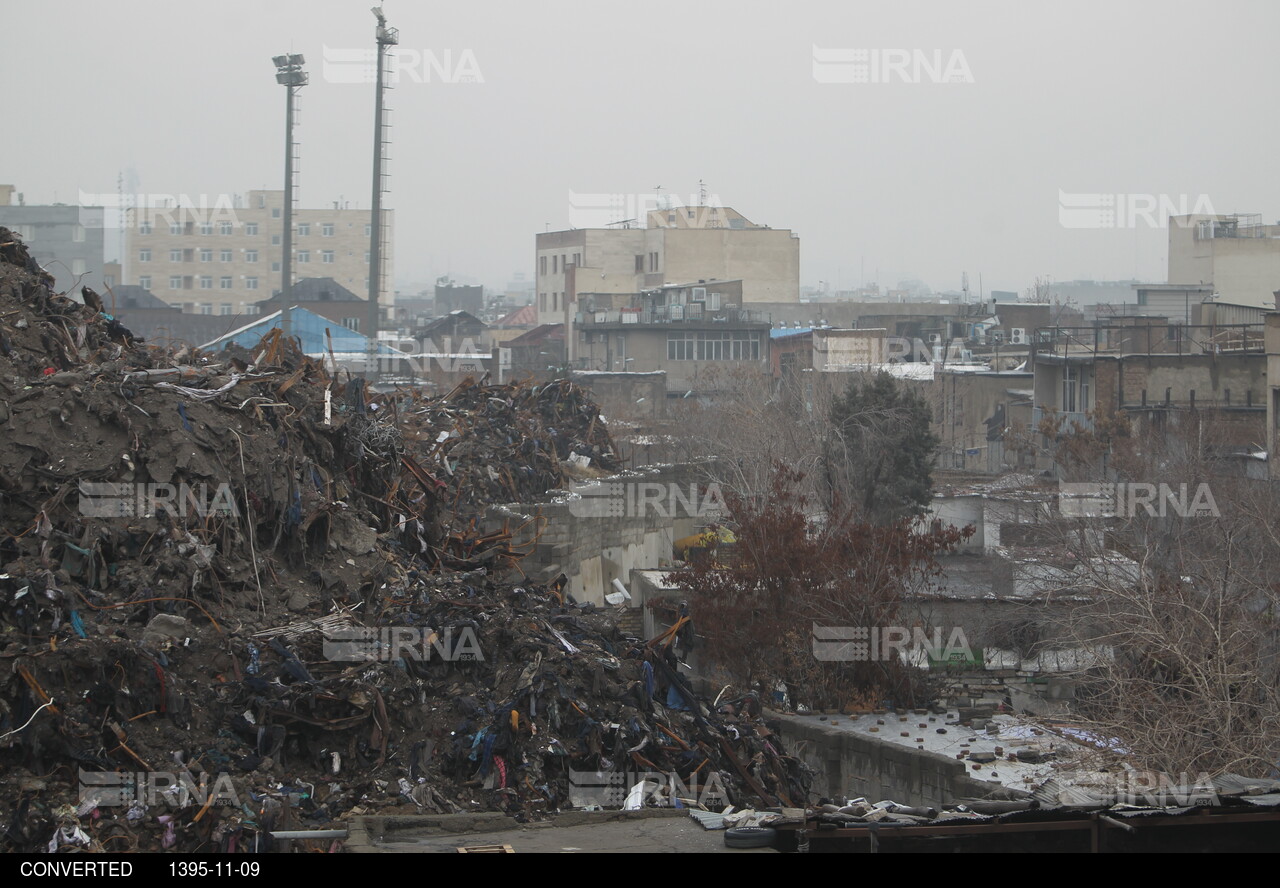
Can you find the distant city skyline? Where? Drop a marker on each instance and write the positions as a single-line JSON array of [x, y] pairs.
[[1004, 140]]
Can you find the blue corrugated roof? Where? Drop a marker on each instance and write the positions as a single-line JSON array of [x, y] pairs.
[[789, 331], [309, 328]]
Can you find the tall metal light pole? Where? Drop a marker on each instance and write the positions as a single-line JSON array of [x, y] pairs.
[[289, 73], [385, 37]]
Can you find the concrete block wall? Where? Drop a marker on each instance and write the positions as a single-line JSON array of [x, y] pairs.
[[853, 765]]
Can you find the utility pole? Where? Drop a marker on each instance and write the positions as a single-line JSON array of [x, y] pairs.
[[289, 73]]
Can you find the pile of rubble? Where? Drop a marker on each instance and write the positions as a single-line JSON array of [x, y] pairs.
[[237, 596]]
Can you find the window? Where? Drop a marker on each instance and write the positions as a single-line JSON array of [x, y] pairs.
[[733, 346], [262, 201], [351, 324], [77, 234], [206, 282], [175, 255], [206, 308], [275, 240], [144, 228], [368, 229], [304, 229], [175, 228], [251, 283], [77, 267], [542, 265], [275, 212], [653, 261], [225, 308], [577, 258], [542, 302], [206, 228], [224, 282], [275, 266], [326, 256], [206, 255], [1070, 377], [251, 229], [326, 229], [555, 301], [250, 255], [144, 255], [109, 280], [144, 282], [175, 282], [555, 260], [366, 256], [188, 255], [224, 255], [304, 255], [639, 264], [224, 228]]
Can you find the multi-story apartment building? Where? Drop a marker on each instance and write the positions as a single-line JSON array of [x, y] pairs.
[[224, 260], [1237, 254], [679, 245], [66, 240]]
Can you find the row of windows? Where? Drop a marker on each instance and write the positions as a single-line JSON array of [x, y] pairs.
[[736, 346], [326, 256], [179, 282], [558, 263], [555, 301], [303, 229]]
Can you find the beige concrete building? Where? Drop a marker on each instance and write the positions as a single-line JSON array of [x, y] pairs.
[[223, 259], [1237, 255], [849, 349], [679, 245]]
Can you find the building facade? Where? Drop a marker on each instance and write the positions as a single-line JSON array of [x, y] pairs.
[[679, 244], [67, 241], [1236, 254], [224, 260]]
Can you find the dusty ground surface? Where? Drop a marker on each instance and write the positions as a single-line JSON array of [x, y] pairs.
[[669, 833]]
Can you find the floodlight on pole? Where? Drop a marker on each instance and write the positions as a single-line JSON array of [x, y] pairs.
[[385, 37], [290, 75]]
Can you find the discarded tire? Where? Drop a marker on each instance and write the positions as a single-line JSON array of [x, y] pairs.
[[750, 837]]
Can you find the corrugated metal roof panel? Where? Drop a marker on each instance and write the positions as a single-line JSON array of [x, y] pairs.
[[708, 819]]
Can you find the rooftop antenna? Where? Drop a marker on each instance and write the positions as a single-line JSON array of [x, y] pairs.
[[702, 193]]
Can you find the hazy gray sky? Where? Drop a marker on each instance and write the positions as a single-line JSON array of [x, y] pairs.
[[920, 179]]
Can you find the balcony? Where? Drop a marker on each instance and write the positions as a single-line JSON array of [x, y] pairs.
[[1069, 420], [694, 313]]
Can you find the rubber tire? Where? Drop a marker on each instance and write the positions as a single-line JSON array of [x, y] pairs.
[[750, 837]]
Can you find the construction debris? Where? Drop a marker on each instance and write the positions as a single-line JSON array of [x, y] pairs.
[[242, 599]]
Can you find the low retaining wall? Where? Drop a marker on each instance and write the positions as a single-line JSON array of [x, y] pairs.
[[851, 764]]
